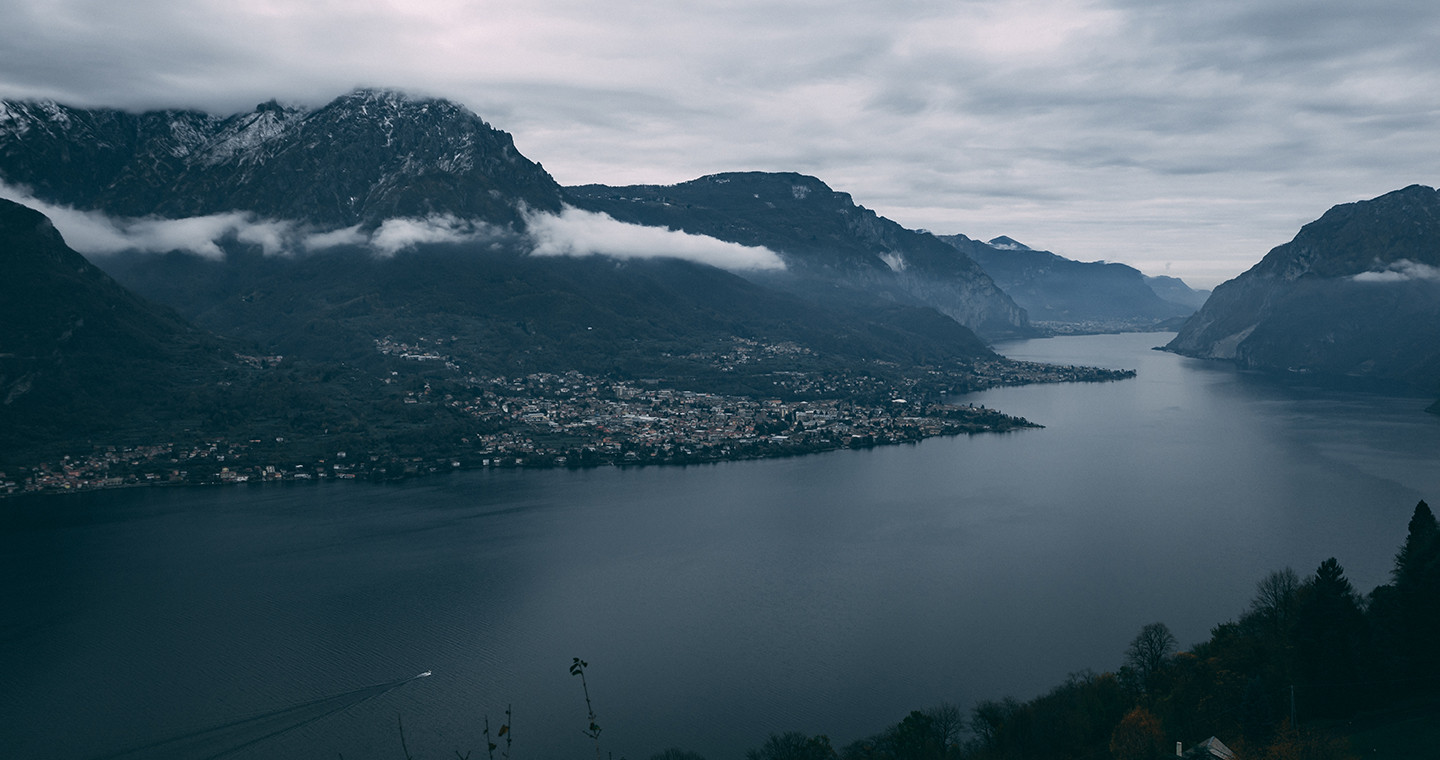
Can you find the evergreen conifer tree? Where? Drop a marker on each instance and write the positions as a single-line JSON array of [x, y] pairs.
[[1417, 592]]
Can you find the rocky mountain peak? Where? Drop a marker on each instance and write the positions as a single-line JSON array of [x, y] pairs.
[[1356, 294], [367, 156], [1005, 243], [1365, 236]]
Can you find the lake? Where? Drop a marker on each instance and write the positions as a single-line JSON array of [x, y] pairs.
[[827, 594]]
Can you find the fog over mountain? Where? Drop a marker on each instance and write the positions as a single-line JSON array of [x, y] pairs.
[[389, 172], [314, 233], [376, 168], [831, 246]]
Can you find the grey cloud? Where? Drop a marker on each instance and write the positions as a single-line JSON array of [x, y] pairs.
[[395, 235], [94, 233], [574, 232], [571, 233], [1188, 132], [1403, 270]]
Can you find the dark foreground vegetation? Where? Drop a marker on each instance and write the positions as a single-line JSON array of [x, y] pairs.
[[1313, 670]]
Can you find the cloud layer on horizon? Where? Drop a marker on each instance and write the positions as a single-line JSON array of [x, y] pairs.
[[1179, 137]]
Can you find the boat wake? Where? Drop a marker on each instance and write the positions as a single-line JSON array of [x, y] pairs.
[[225, 739]]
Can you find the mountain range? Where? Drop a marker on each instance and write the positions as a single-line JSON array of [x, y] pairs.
[[1063, 295], [1354, 296], [381, 219], [375, 166], [365, 157], [831, 247]]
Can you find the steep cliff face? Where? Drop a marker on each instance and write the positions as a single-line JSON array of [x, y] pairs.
[[363, 158], [828, 242], [1355, 294]]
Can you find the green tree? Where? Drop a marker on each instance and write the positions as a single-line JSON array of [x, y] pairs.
[[1417, 593], [793, 745], [1138, 737], [949, 722], [989, 718], [916, 738], [1148, 654], [1275, 598], [1329, 633], [675, 753], [1417, 556]]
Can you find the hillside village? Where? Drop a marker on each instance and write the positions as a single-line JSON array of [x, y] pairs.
[[578, 420]]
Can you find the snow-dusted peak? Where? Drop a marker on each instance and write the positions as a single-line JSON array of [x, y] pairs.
[[356, 159], [19, 117], [187, 135], [54, 112], [12, 121], [371, 101], [244, 137]]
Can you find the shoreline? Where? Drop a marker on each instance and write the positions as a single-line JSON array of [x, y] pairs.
[[544, 421], [951, 421]]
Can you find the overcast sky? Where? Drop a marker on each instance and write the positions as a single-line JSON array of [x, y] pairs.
[[1185, 137]]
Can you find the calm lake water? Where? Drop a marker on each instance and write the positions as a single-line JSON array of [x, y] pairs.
[[715, 604]]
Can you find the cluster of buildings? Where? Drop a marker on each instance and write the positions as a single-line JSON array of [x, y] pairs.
[[572, 419]]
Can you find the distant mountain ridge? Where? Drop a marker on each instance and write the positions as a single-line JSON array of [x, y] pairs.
[[826, 240], [1356, 294], [509, 312], [365, 157], [378, 155], [1066, 295], [1175, 290]]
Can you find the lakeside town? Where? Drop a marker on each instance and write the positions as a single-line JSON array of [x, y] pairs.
[[575, 420]]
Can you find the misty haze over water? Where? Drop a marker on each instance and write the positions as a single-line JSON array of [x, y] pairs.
[[715, 604]]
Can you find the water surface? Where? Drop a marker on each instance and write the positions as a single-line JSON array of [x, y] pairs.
[[715, 604]]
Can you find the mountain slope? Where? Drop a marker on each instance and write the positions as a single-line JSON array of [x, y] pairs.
[[832, 247], [372, 156], [80, 355], [505, 312], [1355, 294], [365, 157], [1063, 294]]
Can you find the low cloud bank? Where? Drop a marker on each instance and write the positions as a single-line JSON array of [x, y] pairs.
[[1403, 270], [398, 234], [95, 233], [574, 232]]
